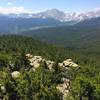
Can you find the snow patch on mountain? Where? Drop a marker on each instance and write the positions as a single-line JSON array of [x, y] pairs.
[[58, 15]]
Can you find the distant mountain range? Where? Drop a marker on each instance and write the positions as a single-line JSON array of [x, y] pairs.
[[93, 22], [58, 15], [13, 23]]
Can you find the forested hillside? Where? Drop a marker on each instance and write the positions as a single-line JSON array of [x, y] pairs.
[[93, 22], [8, 23], [85, 39], [41, 84]]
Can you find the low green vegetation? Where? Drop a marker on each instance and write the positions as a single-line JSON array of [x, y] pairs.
[[41, 84]]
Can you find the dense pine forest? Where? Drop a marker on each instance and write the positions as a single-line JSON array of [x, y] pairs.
[[41, 84]]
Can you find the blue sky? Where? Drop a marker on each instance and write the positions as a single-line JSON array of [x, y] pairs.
[[42, 5]]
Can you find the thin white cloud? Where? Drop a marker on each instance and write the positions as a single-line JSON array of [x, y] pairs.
[[15, 10], [97, 8], [9, 3]]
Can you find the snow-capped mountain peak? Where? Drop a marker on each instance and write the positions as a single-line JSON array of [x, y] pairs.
[[58, 15], [53, 13]]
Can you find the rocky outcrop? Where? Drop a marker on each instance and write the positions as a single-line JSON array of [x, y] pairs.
[[35, 62], [2, 88], [64, 87], [68, 63], [15, 74], [50, 64]]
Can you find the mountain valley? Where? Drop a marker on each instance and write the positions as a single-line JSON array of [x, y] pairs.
[[50, 55]]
